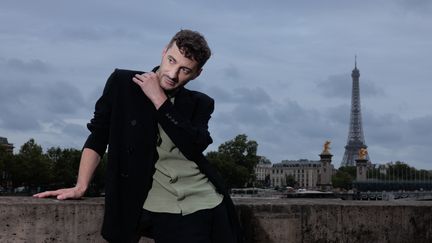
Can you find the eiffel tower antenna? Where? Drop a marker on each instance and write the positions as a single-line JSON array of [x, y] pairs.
[[355, 62]]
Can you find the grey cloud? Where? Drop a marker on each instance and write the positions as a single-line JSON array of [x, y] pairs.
[[75, 130], [251, 115], [338, 114], [388, 136], [381, 120], [250, 95], [221, 95], [307, 123], [340, 86], [420, 130], [62, 98], [289, 112], [31, 66], [421, 126], [71, 130], [391, 132], [16, 120], [252, 53], [416, 6], [24, 104], [231, 72], [288, 136], [89, 33]]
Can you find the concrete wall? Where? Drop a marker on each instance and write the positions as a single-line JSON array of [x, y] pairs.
[[26, 219], [324, 220]]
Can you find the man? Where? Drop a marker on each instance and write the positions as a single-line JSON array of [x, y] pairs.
[[158, 182]]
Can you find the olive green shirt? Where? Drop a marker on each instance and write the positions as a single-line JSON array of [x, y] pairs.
[[178, 184]]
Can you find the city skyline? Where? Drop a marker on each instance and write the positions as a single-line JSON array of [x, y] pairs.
[[280, 72]]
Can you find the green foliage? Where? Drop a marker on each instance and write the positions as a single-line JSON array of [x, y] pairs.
[[264, 160], [236, 160], [290, 180], [350, 170], [32, 166], [35, 170], [64, 165], [5, 165], [344, 177], [398, 171]]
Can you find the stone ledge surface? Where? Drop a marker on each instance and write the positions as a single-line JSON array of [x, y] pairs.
[[335, 220], [27, 219]]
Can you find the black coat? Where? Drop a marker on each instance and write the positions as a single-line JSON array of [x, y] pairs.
[[126, 120]]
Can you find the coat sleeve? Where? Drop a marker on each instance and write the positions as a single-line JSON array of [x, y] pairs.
[[99, 125], [191, 136]]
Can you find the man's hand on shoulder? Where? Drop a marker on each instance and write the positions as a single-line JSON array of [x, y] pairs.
[[149, 84]]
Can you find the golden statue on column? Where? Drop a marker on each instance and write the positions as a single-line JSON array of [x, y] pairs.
[[362, 153], [326, 149]]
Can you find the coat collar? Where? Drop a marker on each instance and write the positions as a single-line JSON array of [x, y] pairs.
[[184, 102]]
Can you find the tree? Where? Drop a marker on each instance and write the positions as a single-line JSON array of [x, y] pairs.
[[344, 177], [236, 160], [290, 180], [64, 166], [264, 160], [32, 167], [6, 160], [267, 182]]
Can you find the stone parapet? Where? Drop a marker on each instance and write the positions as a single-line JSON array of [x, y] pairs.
[[27, 219]]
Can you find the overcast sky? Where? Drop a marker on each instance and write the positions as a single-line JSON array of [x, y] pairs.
[[280, 70]]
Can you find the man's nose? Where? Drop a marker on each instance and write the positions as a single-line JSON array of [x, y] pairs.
[[173, 74]]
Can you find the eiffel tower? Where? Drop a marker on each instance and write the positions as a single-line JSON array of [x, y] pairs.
[[355, 134]]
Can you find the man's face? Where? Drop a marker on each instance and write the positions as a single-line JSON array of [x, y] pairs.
[[176, 70]]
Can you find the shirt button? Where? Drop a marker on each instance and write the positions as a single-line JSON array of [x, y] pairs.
[[173, 180], [133, 122]]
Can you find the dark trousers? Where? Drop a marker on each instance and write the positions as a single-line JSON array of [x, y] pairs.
[[203, 226]]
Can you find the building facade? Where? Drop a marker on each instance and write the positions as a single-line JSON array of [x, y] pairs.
[[308, 174], [262, 170], [5, 144]]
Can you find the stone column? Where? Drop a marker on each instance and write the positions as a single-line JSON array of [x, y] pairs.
[[361, 165], [326, 171]]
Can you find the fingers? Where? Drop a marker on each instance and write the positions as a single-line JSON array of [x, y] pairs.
[[60, 194], [137, 81], [66, 195], [47, 194], [140, 78]]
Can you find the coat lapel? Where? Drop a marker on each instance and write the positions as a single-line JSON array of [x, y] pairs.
[[184, 103]]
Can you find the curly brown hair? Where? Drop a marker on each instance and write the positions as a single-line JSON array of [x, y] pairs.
[[192, 45]]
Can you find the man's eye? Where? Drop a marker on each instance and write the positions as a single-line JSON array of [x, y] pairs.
[[170, 60], [186, 71]]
